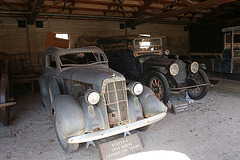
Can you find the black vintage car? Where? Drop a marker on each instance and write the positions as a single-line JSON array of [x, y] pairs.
[[143, 59]]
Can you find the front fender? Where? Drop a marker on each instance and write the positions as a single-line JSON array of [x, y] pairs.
[[150, 103], [135, 108], [93, 116], [69, 115]]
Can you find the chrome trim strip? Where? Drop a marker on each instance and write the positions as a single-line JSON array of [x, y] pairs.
[[116, 130]]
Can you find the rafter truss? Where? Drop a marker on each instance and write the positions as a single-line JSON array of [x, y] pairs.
[[134, 11]]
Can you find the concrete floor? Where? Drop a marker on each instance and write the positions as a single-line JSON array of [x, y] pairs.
[[210, 131]]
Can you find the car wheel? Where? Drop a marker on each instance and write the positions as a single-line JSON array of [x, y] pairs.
[[199, 92], [67, 147], [159, 85]]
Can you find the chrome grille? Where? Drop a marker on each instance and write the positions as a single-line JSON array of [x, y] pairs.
[[116, 102]]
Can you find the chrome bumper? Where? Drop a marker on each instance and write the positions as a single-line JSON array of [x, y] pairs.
[[116, 130]]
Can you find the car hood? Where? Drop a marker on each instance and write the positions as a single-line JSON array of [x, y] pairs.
[[157, 60], [91, 74]]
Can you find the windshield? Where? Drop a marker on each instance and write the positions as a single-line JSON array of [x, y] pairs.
[[147, 44], [144, 46], [82, 58]]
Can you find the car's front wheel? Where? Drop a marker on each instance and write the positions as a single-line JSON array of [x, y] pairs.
[[159, 85], [67, 147], [199, 92]]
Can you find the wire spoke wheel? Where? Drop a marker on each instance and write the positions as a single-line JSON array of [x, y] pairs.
[[199, 92], [158, 83], [157, 87]]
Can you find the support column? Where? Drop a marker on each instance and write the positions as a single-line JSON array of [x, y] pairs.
[[32, 41]]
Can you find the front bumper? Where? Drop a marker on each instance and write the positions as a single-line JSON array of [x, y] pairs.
[[116, 130]]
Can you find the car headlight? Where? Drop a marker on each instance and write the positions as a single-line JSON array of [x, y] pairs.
[[194, 67], [135, 88], [174, 69], [92, 97], [167, 52]]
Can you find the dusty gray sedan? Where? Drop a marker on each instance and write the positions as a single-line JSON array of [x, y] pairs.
[[90, 101]]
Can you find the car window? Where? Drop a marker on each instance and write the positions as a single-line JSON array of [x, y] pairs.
[[51, 62], [147, 46], [81, 58]]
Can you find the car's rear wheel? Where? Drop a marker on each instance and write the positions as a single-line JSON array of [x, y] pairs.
[[67, 147], [199, 92], [159, 85]]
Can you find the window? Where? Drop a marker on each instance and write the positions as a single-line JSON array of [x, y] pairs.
[[81, 58], [62, 36], [52, 62]]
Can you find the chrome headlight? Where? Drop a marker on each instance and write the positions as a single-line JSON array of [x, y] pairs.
[[194, 67], [135, 88], [92, 97], [174, 69]]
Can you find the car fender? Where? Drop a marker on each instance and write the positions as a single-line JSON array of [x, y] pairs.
[[43, 86], [150, 103], [44, 90], [69, 115], [54, 87], [161, 69], [202, 66], [93, 116], [135, 108]]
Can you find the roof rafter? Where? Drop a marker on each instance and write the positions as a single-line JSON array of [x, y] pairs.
[[188, 9], [37, 6], [143, 8], [55, 2]]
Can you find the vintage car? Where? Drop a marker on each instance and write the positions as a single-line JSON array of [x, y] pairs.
[[90, 101], [143, 59]]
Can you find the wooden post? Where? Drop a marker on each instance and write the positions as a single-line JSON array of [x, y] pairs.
[[32, 41]]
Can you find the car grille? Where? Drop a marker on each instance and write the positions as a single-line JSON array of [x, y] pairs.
[[116, 102]]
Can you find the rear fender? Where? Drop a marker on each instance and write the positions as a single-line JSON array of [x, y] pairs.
[[42, 80], [69, 115], [150, 103]]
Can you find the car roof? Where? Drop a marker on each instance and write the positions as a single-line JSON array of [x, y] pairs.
[[54, 51]]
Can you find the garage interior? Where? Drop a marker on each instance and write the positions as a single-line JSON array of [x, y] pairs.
[[210, 130]]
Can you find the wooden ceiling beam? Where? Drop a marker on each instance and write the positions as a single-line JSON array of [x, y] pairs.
[[89, 9], [187, 2], [188, 9], [55, 2], [143, 8], [37, 6]]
